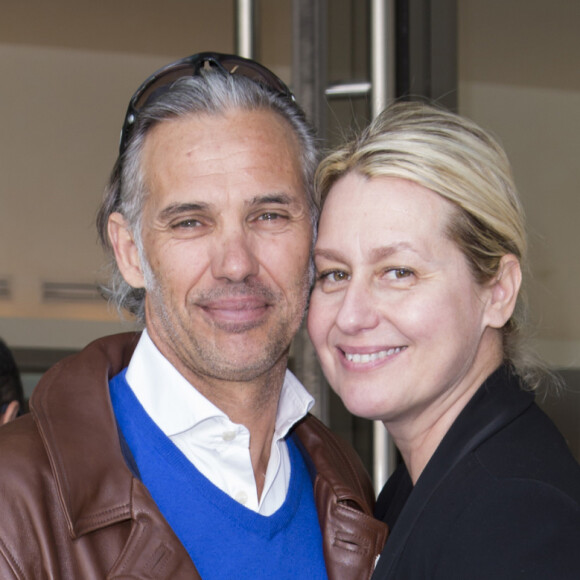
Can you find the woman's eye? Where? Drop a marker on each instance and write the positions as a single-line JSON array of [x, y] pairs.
[[334, 276]]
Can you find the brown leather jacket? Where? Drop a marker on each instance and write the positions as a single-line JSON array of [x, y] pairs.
[[71, 509]]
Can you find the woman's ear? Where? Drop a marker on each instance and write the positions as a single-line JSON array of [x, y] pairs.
[[126, 253], [504, 290]]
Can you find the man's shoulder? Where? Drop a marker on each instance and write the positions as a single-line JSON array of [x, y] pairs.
[[69, 421], [19, 437], [322, 444], [333, 459], [344, 498], [24, 462]]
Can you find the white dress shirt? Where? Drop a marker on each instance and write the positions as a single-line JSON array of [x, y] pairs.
[[218, 448]]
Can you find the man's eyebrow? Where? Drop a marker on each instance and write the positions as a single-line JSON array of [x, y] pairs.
[[176, 209], [279, 198]]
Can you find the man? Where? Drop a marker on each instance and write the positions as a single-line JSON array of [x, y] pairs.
[[11, 391], [184, 452]]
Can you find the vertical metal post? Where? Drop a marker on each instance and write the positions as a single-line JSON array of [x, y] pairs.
[[382, 54], [309, 19], [245, 44], [309, 22], [382, 91]]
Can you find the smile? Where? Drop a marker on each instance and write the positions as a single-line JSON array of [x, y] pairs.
[[237, 314], [372, 357]]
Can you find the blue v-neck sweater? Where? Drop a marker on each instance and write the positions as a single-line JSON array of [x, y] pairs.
[[223, 538]]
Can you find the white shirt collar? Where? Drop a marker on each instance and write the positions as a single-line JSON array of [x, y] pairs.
[[177, 406]]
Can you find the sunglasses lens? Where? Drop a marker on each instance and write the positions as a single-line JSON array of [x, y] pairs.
[[158, 83], [255, 72], [162, 80]]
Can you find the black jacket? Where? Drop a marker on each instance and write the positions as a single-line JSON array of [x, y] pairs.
[[499, 499]]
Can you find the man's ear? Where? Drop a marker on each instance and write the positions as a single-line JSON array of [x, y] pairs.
[[126, 253], [10, 413], [504, 289]]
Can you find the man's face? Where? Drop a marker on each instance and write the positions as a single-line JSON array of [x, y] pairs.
[[227, 235]]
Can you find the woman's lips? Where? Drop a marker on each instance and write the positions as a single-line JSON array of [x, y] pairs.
[[364, 357]]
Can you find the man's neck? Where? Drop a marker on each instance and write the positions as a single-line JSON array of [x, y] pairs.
[[251, 403]]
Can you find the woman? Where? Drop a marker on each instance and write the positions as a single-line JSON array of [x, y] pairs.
[[417, 316]]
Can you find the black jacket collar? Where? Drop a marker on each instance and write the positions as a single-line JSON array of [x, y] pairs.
[[498, 401]]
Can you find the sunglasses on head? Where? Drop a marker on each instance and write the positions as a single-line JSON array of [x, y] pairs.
[[192, 66]]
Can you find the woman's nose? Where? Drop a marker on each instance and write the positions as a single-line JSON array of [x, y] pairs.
[[357, 311]]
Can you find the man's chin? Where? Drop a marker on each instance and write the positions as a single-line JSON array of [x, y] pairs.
[[238, 326]]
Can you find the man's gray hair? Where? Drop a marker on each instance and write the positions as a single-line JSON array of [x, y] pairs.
[[211, 93]]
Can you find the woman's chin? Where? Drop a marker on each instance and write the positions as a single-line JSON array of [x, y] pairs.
[[362, 405]]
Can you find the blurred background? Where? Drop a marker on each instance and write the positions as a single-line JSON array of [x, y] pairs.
[[69, 67]]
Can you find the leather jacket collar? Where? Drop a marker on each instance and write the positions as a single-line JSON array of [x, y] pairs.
[[94, 484]]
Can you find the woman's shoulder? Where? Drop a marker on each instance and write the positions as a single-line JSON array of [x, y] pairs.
[[513, 506], [531, 449], [478, 525], [512, 527]]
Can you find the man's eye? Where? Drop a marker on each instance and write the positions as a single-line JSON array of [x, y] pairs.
[[270, 216], [399, 273], [188, 223]]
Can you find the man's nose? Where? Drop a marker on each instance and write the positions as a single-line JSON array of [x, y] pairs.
[[234, 257]]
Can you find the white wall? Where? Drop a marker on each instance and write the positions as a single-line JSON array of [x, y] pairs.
[[67, 71], [519, 69], [60, 127]]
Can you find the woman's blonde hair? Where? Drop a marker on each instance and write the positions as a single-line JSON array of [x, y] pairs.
[[455, 158]]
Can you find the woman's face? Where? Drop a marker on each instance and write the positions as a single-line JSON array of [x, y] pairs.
[[400, 326]]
